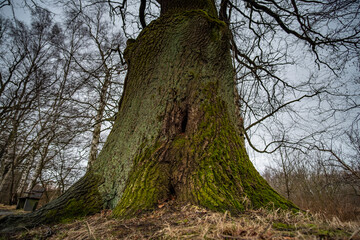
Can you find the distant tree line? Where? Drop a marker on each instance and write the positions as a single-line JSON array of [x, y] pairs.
[[318, 183]]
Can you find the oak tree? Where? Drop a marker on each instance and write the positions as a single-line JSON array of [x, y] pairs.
[[178, 134]]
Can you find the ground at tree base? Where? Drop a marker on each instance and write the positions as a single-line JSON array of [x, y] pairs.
[[192, 222]]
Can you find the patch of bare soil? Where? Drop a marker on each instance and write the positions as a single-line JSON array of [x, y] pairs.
[[191, 222]]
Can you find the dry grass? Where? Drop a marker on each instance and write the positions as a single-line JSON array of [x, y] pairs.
[[9, 209], [191, 222]]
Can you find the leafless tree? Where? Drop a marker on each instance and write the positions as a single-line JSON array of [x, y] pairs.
[[66, 77], [102, 66], [316, 184]]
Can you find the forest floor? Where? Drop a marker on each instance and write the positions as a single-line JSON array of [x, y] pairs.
[[9, 209], [191, 222]]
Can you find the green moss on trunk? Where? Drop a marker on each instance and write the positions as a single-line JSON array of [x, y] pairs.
[[198, 154], [177, 134], [224, 178], [86, 201], [208, 167]]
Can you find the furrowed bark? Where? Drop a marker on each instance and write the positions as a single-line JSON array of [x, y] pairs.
[[178, 134], [197, 155]]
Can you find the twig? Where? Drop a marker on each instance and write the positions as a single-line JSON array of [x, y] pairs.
[[265, 230], [354, 234], [91, 235]]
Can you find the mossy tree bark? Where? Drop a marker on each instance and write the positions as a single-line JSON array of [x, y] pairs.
[[196, 154], [177, 134]]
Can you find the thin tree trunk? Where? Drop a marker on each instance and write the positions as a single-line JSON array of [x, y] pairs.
[[98, 119], [23, 183], [5, 188]]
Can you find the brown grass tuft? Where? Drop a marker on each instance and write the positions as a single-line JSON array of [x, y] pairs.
[[192, 222]]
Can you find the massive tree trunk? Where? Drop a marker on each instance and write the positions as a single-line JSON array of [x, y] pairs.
[[177, 134]]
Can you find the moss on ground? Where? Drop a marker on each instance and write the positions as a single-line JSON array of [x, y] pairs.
[[321, 231]]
